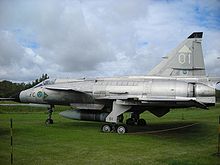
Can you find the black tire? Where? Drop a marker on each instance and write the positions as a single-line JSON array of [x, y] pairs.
[[130, 121], [141, 122], [106, 128], [121, 129]]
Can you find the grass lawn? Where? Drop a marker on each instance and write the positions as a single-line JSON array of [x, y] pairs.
[[77, 142]]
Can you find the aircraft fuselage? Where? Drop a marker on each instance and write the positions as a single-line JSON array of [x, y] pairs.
[[140, 89]]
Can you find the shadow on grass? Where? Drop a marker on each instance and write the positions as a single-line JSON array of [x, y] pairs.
[[189, 128], [83, 124], [164, 127], [185, 131]]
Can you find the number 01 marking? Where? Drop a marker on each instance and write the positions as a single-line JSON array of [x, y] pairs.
[[183, 58]]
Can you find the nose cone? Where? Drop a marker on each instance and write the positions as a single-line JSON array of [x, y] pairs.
[[25, 96]]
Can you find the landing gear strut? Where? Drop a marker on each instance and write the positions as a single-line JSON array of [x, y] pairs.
[[115, 118], [49, 119]]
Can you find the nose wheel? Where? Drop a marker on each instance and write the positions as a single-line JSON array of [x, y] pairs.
[[49, 119]]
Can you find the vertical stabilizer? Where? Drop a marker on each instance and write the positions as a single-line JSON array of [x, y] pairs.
[[185, 60]]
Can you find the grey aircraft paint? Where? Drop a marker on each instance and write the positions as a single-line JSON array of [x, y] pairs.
[[178, 81]]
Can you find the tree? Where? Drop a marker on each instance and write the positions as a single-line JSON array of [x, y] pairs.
[[37, 81], [8, 88]]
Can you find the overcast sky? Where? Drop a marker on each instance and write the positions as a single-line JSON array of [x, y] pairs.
[[100, 38]]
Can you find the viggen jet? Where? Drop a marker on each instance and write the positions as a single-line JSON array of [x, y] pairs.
[[179, 81]]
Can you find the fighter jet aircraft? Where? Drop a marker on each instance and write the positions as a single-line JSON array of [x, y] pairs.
[[179, 81]]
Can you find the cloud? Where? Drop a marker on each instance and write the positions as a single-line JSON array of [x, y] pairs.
[[17, 62], [169, 23], [10, 49], [68, 42], [100, 38]]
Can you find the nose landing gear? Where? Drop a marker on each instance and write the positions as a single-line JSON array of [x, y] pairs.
[[50, 112]]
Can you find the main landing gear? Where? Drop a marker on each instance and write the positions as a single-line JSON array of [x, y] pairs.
[[119, 128], [122, 128], [115, 118], [139, 122], [50, 112], [135, 120]]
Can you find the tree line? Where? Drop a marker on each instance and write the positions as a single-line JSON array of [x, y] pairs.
[[8, 88]]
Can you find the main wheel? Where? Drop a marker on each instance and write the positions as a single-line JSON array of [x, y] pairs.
[[106, 128], [49, 121], [121, 129], [141, 122]]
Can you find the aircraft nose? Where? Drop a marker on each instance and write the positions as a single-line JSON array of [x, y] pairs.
[[24, 96]]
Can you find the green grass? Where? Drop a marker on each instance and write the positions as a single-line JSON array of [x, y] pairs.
[[78, 142]]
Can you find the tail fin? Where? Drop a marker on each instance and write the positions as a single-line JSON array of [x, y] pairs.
[[185, 60]]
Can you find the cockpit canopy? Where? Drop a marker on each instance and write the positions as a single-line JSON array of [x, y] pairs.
[[46, 82]]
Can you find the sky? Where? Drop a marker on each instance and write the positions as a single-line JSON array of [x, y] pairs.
[[96, 38]]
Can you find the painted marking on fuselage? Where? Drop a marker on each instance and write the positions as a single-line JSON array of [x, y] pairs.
[[45, 95], [33, 94], [41, 94]]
